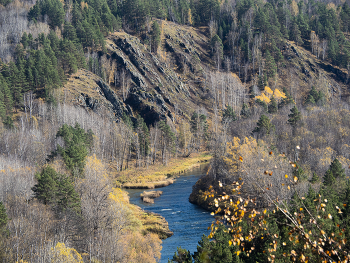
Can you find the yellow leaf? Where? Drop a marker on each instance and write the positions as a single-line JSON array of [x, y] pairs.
[[264, 212], [286, 176], [295, 178], [229, 242]]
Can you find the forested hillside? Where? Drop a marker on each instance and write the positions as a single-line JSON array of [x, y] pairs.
[[93, 93]]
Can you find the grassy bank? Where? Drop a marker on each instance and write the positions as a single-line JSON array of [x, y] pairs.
[[159, 175]]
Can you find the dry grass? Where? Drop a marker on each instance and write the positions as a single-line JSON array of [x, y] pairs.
[[158, 175]]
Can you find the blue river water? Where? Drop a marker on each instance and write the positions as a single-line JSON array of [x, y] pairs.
[[188, 221]]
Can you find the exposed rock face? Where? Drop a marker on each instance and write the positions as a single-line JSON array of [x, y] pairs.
[[155, 87], [109, 94]]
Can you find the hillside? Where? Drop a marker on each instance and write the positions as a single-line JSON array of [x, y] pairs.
[[99, 95]]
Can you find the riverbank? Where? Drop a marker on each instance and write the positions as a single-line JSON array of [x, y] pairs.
[[159, 175]]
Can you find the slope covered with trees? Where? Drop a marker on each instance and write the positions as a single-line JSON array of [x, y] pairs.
[[135, 83]]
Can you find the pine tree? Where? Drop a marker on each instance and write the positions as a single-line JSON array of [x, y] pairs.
[[69, 32], [337, 169], [270, 65], [328, 179], [273, 105], [2, 106], [24, 40], [46, 188], [299, 172], [287, 100], [8, 123], [3, 216], [294, 117], [245, 112], [310, 100], [67, 197], [264, 125], [182, 256], [56, 190], [295, 33], [77, 144], [229, 115], [155, 36], [315, 178]]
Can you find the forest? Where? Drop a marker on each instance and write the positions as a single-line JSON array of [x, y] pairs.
[[95, 92]]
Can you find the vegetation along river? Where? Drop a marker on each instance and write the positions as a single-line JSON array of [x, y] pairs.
[[188, 221]]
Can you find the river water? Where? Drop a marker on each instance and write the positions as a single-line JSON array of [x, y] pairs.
[[188, 221]]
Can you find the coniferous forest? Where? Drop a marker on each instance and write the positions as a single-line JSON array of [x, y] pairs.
[[97, 96]]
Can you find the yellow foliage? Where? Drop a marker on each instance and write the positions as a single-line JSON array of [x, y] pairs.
[[331, 6], [119, 196], [142, 248], [263, 98], [268, 93], [63, 254], [190, 16], [268, 90], [83, 5], [95, 166], [295, 8], [279, 94]]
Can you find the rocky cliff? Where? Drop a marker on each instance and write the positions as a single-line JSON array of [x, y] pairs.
[[174, 82]]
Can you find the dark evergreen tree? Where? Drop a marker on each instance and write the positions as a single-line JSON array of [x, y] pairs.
[[273, 105], [69, 32], [3, 216], [56, 190], [294, 117], [229, 115], [24, 40], [262, 104], [46, 189], [270, 65], [77, 144], [315, 178], [328, 179], [182, 256], [337, 169], [155, 36], [245, 112], [264, 125]]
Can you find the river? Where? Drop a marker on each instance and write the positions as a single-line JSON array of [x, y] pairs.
[[188, 221]]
